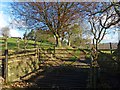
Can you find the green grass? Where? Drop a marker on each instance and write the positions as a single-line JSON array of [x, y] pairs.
[[13, 45], [73, 59], [107, 51]]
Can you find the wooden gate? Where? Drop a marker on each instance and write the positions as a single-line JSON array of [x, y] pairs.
[[56, 57], [63, 68]]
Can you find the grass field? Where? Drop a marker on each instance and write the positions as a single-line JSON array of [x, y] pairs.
[[13, 44]]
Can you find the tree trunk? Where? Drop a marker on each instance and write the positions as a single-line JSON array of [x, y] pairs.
[[69, 42], [25, 43], [62, 42], [58, 41], [96, 46], [95, 52]]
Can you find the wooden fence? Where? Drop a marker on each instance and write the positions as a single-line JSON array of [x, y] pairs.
[[20, 64], [13, 62]]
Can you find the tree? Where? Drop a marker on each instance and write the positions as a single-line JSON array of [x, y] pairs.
[[98, 8], [39, 34], [25, 40], [113, 8], [73, 32], [43, 35], [97, 31], [31, 35], [5, 31], [53, 16], [74, 35], [101, 16]]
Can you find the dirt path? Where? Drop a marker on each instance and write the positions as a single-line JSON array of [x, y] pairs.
[[63, 78]]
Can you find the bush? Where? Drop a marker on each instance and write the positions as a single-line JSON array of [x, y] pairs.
[[73, 59], [107, 62]]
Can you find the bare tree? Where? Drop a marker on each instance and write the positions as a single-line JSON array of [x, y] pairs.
[[97, 31], [98, 8], [101, 16], [56, 16], [53, 16], [5, 31], [113, 8]]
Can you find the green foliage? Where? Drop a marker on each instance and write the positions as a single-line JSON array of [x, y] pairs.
[[31, 35], [75, 36], [38, 35], [73, 59], [88, 56]]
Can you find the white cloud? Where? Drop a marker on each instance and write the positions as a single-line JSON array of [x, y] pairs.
[[3, 18], [4, 23], [19, 23], [14, 33], [110, 38]]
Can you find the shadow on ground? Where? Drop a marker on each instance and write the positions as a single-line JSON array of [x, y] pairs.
[[62, 77]]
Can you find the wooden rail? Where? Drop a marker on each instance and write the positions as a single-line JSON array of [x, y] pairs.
[[26, 52], [48, 54]]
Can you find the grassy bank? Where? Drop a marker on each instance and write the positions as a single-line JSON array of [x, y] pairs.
[[14, 44]]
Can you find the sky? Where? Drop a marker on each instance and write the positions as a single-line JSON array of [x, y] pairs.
[[5, 18]]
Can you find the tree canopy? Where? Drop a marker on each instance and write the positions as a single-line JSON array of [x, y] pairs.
[[56, 17], [53, 16]]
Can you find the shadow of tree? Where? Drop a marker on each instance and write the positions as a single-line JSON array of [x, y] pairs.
[[109, 71], [55, 75], [62, 77]]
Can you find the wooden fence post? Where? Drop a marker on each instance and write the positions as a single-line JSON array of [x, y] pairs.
[[110, 47], [18, 44], [5, 62], [6, 66], [54, 50], [38, 54], [93, 73]]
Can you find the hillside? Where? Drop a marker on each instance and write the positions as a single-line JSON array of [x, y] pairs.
[[15, 44]]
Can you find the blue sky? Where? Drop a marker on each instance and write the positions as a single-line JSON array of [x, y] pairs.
[[5, 18]]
